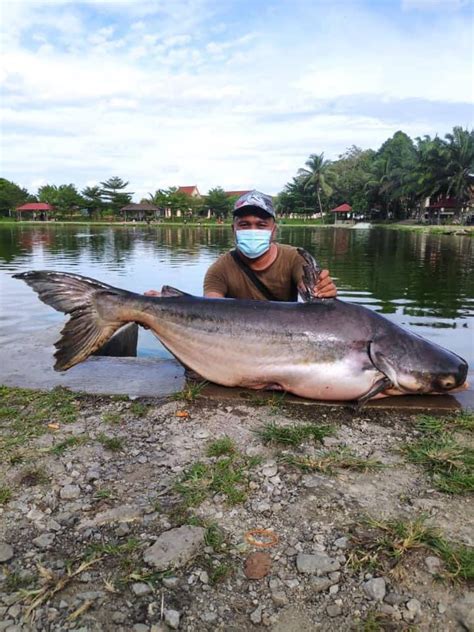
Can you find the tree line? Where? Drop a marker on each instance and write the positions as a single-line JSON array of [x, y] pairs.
[[389, 183], [392, 182]]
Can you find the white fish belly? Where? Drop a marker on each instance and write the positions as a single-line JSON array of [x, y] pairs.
[[255, 362]]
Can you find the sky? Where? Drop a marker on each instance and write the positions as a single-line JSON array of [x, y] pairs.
[[231, 93]]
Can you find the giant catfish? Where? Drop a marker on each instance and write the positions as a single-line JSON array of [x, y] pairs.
[[322, 349]]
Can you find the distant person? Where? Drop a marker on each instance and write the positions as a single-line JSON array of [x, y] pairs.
[[259, 268]]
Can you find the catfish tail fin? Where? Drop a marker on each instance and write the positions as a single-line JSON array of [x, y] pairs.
[[88, 328]]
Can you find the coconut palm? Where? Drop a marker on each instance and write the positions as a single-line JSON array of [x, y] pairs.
[[315, 177], [460, 163]]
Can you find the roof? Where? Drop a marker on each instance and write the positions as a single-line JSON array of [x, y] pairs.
[[142, 206], [343, 208], [35, 206], [236, 193], [188, 190], [445, 202]]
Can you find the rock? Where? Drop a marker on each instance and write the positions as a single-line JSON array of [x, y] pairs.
[[256, 615], [334, 610], [175, 548], [393, 598], [70, 492], [316, 563], [122, 514], [413, 609], [44, 541], [140, 627], [279, 598], [318, 584], [6, 552], [257, 565], [433, 564], [172, 618], [208, 617], [269, 469], [375, 588], [464, 611], [140, 588], [170, 582], [341, 543]]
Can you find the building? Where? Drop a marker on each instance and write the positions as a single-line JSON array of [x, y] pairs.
[[144, 211], [343, 214], [441, 210], [35, 211], [192, 191]]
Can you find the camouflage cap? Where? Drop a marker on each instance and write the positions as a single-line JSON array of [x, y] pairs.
[[255, 199]]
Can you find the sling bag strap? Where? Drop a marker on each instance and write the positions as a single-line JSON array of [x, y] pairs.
[[268, 294]]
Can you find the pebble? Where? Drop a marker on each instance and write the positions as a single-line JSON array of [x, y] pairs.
[[341, 543], [140, 627], [413, 609], [70, 492], [279, 598], [464, 611], [393, 598], [316, 563], [318, 584], [433, 564], [170, 582], [208, 617], [257, 565], [375, 588], [256, 615], [6, 552], [140, 588], [334, 610], [175, 548], [172, 618], [44, 541]]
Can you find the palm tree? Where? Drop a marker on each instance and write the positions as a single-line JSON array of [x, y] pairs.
[[460, 163], [315, 177]]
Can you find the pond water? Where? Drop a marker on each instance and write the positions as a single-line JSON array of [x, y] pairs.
[[424, 282]]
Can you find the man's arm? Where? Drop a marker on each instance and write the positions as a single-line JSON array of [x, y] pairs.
[[213, 295]]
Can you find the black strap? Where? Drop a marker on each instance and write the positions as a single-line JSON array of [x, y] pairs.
[[268, 294]]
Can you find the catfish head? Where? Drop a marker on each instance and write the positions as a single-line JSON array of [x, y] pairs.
[[415, 365]]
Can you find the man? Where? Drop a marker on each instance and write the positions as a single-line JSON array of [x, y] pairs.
[[259, 268]]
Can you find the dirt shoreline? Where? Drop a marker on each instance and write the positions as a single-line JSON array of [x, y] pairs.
[[134, 514]]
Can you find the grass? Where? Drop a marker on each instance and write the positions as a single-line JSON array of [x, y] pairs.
[[15, 581], [5, 495], [219, 573], [70, 442], [227, 476], [103, 494], [112, 418], [214, 537], [25, 414], [190, 392], [114, 444], [98, 549], [380, 622], [219, 447], [449, 463], [138, 409], [293, 435], [383, 544], [329, 460]]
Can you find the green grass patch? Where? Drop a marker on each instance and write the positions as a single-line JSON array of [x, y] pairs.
[[70, 442], [326, 461], [219, 573], [462, 422], [112, 418], [103, 494], [111, 548], [215, 537], [5, 494], [383, 544], [190, 392], [221, 446], [25, 414], [16, 581], [138, 409], [450, 465], [227, 476], [293, 435], [114, 444]]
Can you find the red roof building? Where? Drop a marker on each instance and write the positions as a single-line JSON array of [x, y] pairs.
[[35, 206], [192, 191], [343, 208]]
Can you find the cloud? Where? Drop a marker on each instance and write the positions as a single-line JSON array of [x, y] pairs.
[[167, 93]]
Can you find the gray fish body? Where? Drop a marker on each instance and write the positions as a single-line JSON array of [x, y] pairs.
[[326, 349]]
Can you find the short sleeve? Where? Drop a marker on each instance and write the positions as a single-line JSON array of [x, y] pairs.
[[215, 279], [297, 268]]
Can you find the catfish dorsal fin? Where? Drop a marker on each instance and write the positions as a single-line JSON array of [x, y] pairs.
[[169, 292]]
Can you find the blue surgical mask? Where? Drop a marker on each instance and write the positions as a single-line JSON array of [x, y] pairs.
[[253, 243]]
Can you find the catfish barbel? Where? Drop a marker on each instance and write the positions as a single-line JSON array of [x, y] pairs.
[[324, 349]]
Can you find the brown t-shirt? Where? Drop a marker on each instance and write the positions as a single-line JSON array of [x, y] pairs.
[[227, 278]]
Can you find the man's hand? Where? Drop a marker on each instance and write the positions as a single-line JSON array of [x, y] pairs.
[[325, 287], [152, 293]]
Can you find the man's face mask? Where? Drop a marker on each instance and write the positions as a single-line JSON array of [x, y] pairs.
[[253, 242]]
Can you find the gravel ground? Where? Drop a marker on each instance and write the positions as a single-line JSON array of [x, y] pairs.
[[137, 515]]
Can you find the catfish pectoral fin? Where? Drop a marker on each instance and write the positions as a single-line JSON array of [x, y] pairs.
[[378, 387]]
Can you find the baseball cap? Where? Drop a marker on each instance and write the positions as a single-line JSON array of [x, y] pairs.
[[255, 199]]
